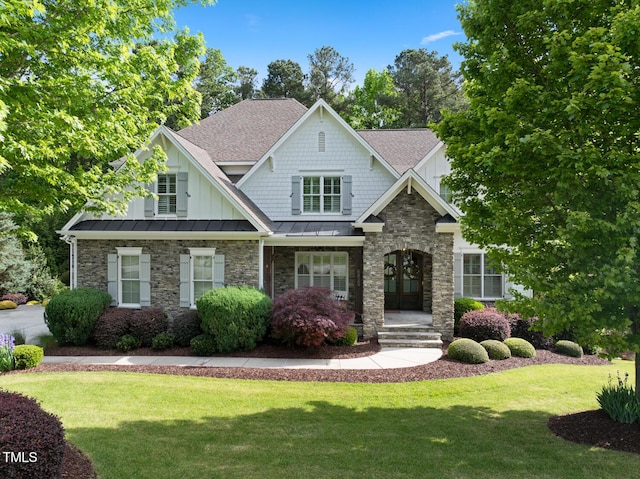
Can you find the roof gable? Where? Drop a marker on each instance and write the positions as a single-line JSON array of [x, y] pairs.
[[244, 131]]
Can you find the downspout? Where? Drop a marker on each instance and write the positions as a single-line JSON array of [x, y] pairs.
[[73, 260], [261, 263]]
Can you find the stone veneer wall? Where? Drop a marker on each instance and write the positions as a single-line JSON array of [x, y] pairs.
[[241, 266], [284, 266], [410, 223]]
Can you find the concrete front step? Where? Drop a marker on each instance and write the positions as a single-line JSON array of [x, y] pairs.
[[406, 337]]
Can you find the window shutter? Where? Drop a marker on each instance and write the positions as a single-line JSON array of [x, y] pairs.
[[145, 280], [112, 278], [185, 281], [457, 275], [149, 203], [182, 198], [296, 194], [218, 271], [346, 195], [506, 294]]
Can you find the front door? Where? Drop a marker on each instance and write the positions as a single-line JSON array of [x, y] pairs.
[[403, 280]]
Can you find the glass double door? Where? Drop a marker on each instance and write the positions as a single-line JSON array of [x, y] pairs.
[[403, 280]]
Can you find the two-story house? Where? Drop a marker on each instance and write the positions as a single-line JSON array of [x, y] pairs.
[[274, 195]]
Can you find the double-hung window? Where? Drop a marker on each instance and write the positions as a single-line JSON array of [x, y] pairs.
[[200, 271], [321, 194], [329, 270], [479, 278], [128, 277], [167, 194]]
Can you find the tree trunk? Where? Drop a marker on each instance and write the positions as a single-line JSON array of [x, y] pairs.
[[634, 316]]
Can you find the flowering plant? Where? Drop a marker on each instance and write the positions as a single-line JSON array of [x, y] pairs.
[[7, 345]]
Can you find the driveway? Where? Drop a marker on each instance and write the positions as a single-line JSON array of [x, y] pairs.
[[27, 319]]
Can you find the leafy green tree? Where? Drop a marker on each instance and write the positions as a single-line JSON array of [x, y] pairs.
[[330, 75], [215, 83], [427, 84], [246, 82], [376, 103], [82, 85], [284, 80], [546, 160]]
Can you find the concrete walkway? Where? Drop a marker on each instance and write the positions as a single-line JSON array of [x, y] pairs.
[[30, 321]]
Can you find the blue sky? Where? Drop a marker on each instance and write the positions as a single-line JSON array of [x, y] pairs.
[[370, 33]]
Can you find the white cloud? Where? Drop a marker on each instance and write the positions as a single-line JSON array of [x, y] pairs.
[[252, 20], [439, 36]]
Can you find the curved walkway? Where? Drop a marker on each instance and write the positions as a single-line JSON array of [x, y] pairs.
[[387, 358]]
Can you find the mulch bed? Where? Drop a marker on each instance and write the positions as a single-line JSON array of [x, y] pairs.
[[591, 427]]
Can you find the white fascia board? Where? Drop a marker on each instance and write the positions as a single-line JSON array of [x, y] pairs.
[[369, 227], [164, 235], [318, 104], [340, 241], [448, 228]]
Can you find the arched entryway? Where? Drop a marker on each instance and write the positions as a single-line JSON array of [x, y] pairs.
[[403, 280]]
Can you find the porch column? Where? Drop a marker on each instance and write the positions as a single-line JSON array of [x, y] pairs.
[[372, 285], [442, 281]]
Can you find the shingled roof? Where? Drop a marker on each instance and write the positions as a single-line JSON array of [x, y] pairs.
[[245, 131], [402, 149]]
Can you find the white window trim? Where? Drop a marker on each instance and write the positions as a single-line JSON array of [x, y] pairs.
[[482, 296], [199, 252], [157, 203], [322, 178], [127, 251], [342, 294]]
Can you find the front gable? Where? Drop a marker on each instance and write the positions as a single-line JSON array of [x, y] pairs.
[[321, 169]]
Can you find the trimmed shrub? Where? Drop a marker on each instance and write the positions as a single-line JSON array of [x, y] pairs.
[[461, 306], [27, 356], [618, 399], [570, 334], [147, 323], [26, 427], [8, 304], [112, 324], [128, 342], [236, 316], [185, 327], [523, 328], [17, 298], [72, 315], [309, 317], [569, 348], [203, 345], [520, 348], [467, 351], [162, 341], [484, 324], [496, 349], [349, 339]]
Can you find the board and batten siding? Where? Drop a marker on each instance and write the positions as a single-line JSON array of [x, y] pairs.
[[299, 155], [435, 168], [204, 202]]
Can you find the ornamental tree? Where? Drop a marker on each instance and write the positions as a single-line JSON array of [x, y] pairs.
[[83, 84], [546, 160]]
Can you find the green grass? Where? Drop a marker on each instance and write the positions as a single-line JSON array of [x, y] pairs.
[[151, 426]]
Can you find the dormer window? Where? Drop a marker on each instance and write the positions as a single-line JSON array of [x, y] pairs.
[[167, 194]]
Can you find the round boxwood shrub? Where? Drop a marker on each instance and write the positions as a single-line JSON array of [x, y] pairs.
[[162, 341], [484, 324], [349, 339], [25, 427], [461, 306], [128, 342], [236, 316], [147, 323], [496, 349], [520, 348], [467, 351], [112, 324], [27, 356], [185, 327], [203, 345], [569, 348], [72, 315]]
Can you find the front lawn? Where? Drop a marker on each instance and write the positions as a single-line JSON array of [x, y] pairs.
[[494, 426]]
